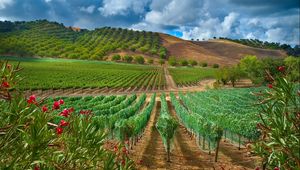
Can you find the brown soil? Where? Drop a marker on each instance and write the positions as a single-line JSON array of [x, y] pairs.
[[214, 51]]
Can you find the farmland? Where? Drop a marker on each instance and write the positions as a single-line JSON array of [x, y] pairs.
[[191, 76], [63, 74]]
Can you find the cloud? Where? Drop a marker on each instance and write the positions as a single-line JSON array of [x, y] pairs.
[[272, 20], [89, 9], [4, 3], [122, 7]]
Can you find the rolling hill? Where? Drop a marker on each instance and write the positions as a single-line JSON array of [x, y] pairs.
[[222, 52], [50, 39]]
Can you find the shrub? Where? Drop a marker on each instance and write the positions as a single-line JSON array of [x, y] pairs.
[[127, 58], [193, 62], [204, 64], [161, 61], [116, 57], [215, 65], [172, 61], [139, 59], [184, 62]]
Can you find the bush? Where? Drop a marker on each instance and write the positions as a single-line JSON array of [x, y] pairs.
[[116, 57], [204, 64], [215, 65], [139, 59], [127, 58], [184, 62], [172, 61], [193, 62]]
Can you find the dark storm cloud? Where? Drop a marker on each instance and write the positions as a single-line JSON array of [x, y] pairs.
[[272, 20]]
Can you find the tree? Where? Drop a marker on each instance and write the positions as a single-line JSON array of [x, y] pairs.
[[184, 62], [193, 62], [234, 74], [222, 75], [215, 65], [204, 64], [139, 59], [253, 67], [293, 68], [172, 61], [116, 57], [127, 58]]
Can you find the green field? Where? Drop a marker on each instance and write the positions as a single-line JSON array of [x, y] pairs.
[[62, 73], [185, 76]]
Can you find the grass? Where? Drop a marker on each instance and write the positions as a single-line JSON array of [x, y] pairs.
[[62, 73], [190, 75]]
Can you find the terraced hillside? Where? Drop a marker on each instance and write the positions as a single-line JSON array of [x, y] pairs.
[[50, 39]]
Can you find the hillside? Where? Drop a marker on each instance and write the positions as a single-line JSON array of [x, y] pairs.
[[50, 39], [214, 51]]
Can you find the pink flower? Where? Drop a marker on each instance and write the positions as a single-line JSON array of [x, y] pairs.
[[59, 130], [56, 105], [61, 101], [63, 123], [44, 108]]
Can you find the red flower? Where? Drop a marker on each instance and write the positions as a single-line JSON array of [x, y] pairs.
[[44, 108], [36, 167], [124, 150], [32, 98], [116, 148], [123, 162], [56, 105], [61, 101], [281, 68], [71, 110], [65, 113], [63, 123], [270, 86], [59, 130], [276, 168], [257, 168], [5, 84], [140, 162]]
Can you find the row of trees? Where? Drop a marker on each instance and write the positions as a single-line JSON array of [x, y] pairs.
[[259, 70], [130, 59], [174, 62]]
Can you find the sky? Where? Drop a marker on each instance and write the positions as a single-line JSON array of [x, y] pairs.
[[267, 20]]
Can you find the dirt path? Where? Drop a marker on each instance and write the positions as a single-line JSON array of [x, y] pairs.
[[170, 84]]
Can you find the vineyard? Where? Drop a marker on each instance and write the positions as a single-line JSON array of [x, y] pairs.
[[191, 76], [64, 74], [50, 39]]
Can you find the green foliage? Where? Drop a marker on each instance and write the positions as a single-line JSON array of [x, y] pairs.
[[293, 68], [30, 139], [189, 76], [193, 62], [172, 61], [166, 125], [204, 64], [184, 62], [127, 58], [280, 119], [116, 57], [61, 74], [253, 67], [215, 66], [139, 59]]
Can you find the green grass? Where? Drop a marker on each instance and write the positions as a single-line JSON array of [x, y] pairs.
[[61, 73], [190, 75]]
